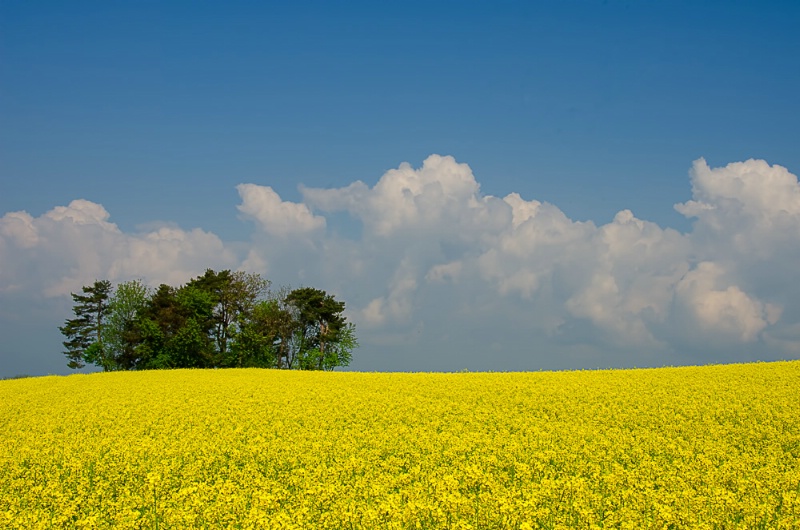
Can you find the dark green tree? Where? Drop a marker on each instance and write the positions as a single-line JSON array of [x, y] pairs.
[[220, 319], [234, 295], [267, 333], [159, 320], [253, 343], [175, 329], [336, 352], [320, 326], [84, 333], [285, 325]]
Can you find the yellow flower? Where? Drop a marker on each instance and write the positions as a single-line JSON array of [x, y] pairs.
[[699, 447]]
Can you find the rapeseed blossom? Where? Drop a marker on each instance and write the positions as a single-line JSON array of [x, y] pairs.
[[692, 447]]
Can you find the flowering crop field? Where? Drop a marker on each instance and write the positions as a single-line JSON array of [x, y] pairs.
[[695, 447]]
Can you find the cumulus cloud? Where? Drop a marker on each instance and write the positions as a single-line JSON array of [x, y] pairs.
[[275, 216], [440, 197], [442, 276], [628, 285], [744, 208], [724, 309], [71, 246], [18, 229]]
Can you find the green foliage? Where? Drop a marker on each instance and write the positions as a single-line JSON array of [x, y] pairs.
[[84, 333], [183, 321], [149, 346], [336, 353], [219, 319], [233, 296], [276, 322], [340, 352], [190, 347], [320, 323], [251, 347], [123, 330]]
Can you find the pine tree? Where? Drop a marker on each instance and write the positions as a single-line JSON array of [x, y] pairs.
[[84, 333]]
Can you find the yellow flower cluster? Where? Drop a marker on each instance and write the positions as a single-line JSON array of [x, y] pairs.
[[695, 447]]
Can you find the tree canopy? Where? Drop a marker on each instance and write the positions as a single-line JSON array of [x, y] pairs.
[[216, 320], [84, 333]]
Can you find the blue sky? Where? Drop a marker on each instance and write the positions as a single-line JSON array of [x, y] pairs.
[[156, 113]]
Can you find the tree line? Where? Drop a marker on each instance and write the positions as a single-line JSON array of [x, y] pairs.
[[217, 320]]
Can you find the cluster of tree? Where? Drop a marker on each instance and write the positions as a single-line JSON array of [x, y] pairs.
[[219, 319]]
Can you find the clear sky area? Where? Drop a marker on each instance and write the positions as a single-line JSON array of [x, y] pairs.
[[487, 185]]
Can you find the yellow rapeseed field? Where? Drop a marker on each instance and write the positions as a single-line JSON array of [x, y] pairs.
[[696, 447]]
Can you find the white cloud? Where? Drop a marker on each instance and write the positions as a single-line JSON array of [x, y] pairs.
[[625, 284], [634, 267], [19, 229], [71, 246], [81, 212], [723, 309], [461, 279], [398, 304], [275, 216], [441, 197], [748, 208], [443, 272]]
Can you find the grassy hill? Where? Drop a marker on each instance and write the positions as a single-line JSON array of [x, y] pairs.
[[700, 447]]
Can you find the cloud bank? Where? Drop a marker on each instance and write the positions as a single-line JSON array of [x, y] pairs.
[[438, 276]]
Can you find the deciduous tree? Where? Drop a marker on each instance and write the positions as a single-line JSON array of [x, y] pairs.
[[123, 332], [219, 319]]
